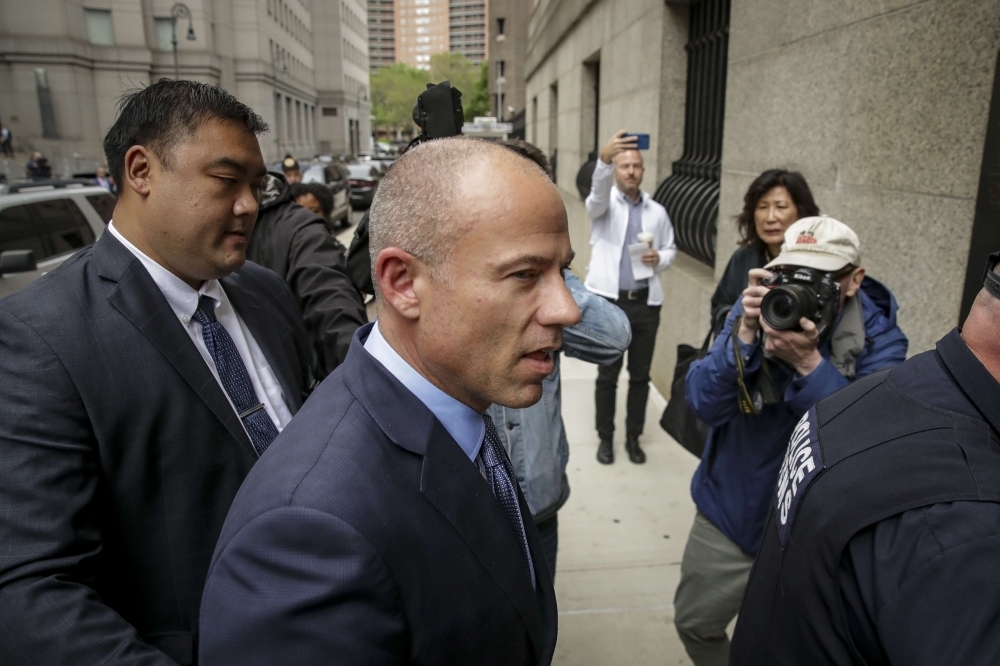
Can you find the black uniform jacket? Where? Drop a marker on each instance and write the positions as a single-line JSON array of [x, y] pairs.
[[296, 244], [119, 458], [883, 546]]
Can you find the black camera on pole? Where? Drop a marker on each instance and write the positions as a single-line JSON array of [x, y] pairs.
[[438, 111], [801, 292]]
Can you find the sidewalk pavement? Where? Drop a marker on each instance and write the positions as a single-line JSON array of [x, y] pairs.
[[621, 536]]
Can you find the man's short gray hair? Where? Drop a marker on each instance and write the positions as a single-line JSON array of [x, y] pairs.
[[418, 206]]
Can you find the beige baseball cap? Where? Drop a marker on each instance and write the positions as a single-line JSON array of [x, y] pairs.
[[820, 242]]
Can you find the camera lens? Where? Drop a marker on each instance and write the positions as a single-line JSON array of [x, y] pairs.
[[783, 306]]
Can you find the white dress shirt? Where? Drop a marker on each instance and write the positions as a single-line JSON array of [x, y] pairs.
[[462, 422], [183, 300]]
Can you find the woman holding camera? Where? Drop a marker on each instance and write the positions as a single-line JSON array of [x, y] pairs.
[[768, 366], [775, 200]]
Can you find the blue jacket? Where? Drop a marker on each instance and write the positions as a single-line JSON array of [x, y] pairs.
[[739, 468], [534, 437]]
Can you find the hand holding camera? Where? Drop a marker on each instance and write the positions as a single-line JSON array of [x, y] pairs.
[[753, 295], [790, 335], [799, 349]]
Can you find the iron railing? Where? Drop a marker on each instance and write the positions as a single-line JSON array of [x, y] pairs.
[[691, 192]]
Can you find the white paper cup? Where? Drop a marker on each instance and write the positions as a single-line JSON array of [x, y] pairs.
[[646, 238]]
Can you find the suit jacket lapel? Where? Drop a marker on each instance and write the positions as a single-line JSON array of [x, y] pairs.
[[453, 484], [269, 332], [139, 300], [449, 480]]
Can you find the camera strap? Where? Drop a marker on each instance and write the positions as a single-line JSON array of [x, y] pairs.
[[763, 392], [745, 399]]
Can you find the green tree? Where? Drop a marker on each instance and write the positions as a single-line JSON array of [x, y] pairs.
[[458, 69], [394, 90], [479, 101]]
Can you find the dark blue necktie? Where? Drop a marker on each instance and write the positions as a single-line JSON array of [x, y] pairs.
[[500, 474], [234, 377]]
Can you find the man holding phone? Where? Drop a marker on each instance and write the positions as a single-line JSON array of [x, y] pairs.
[[622, 217]]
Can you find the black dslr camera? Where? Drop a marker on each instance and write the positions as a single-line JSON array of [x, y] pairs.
[[801, 292], [438, 111]]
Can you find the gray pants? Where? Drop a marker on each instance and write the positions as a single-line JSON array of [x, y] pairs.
[[714, 574]]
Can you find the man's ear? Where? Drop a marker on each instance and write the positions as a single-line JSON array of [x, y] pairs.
[[396, 272], [136, 174], [854, 284]]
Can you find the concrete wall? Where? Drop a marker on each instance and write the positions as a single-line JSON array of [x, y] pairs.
[[883, 107], [643, 78]]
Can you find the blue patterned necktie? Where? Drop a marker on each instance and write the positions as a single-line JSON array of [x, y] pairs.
[[500, 474], [234, 377]]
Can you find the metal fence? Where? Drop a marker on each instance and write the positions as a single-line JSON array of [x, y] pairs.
[[691, 192]]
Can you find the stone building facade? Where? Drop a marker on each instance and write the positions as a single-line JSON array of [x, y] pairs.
[[343, 122], [508, 39], [64, 63], [467, 31], [381, 33], [883, 107]]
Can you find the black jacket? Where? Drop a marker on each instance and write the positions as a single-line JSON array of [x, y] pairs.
[[881, 546], [359, 259], [295, 243], [119, 458], [734, 281]]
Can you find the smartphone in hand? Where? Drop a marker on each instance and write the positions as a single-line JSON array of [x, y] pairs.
[[641, 139]]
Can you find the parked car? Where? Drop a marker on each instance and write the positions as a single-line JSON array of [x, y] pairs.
[[43, 223], [364, 179], [336, 177]]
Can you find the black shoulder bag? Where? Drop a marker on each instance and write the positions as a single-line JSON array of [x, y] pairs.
[[678, 418]]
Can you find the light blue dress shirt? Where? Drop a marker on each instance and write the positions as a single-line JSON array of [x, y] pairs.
[[626, 280], [462, 422]]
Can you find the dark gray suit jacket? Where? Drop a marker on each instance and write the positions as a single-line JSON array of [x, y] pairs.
[[119, 458], [365, 535]]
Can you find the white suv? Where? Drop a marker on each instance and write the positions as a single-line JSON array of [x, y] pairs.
[[53, 219]]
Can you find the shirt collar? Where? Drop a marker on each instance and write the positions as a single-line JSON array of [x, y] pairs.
[[181, 298], [972, 377], [638, 202], [462, 422]]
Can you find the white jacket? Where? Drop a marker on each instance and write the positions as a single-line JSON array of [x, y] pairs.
[[608, 212]]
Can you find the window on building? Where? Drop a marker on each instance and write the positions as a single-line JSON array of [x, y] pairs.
[[501, 66], [500, 26], [534, 120], [590, 104], [99, 27], [164, 33]]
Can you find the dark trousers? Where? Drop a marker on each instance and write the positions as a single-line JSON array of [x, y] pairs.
[[645, 319], [548, 534]]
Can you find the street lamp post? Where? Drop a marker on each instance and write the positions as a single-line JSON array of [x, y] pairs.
[[179, 11], [357, 130], [500, 98]]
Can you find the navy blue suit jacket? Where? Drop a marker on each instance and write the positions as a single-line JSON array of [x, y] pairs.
[[365, 535], [119, 457]]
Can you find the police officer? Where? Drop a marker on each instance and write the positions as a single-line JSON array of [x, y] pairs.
[[883, 544]]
